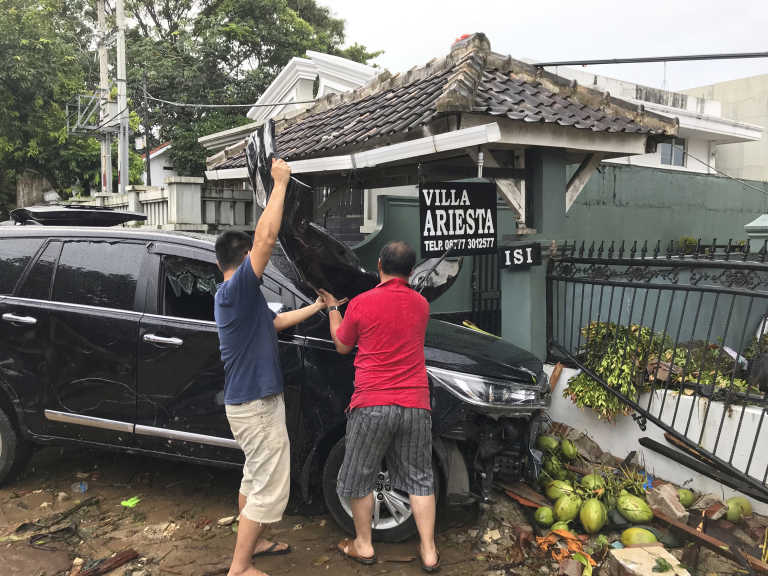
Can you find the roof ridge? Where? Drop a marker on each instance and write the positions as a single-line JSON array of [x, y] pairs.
[[467, 56], [584, 95]]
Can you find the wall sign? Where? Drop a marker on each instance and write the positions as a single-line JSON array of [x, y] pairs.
[[520, 256], [459, 216]]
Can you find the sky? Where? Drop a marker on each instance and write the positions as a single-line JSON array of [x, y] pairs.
[[411, 32]]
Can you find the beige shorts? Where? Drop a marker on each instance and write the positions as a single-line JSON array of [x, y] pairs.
[[259, 428]]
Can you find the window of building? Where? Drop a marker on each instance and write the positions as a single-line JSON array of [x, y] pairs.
[[38, 282], [99, 274], [189, 287], [15, 254], [672, 152]]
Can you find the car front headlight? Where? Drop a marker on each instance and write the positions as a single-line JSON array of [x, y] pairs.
[[480, 390]]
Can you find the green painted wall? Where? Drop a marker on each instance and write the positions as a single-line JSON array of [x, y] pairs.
[[619, 203], [635, 203]]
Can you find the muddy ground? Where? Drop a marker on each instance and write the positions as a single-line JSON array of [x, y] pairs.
[[174, 528]]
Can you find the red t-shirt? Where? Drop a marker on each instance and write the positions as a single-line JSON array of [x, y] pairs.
[[388, 324]]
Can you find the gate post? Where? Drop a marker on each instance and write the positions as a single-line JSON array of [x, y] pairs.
[[523, 292]]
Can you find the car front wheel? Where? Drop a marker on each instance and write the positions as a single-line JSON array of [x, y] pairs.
[[392, 519], [14, 450]]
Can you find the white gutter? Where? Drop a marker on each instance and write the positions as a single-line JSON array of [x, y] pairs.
[[455, 140]]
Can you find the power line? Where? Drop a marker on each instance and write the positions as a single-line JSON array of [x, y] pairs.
[[742, 182], [684, 58], [189, 105]]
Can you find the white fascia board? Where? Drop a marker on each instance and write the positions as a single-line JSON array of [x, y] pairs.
[[327, 164], [465, 138], [455, 140], [520, 133], [349, 71], [227, 174], [160, 152], [733, 130], [220, 140], [296, 69]]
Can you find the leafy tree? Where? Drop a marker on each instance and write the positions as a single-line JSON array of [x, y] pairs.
[[220, 52], [45, 62]]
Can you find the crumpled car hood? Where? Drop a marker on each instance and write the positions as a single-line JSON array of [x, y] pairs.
[[313, 257]]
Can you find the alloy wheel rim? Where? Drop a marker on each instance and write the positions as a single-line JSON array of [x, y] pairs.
[[391, 507]]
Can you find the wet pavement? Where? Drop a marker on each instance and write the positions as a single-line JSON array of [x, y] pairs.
[[174, 529]]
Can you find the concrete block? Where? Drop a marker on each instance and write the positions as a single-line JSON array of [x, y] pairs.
[[664, 498], [640, 561]]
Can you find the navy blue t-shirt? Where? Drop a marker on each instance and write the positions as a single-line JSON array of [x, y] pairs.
[[247, 338]]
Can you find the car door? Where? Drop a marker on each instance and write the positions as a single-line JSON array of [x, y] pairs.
[[91, 341], [181, 378], [23, 325]]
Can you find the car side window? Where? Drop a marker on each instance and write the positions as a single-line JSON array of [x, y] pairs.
[[98, 273], [189, 287], [38, 282], [276, 296], [15, 254]]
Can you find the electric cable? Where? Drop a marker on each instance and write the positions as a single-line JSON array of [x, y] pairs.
[[742, 182], [189, 105]]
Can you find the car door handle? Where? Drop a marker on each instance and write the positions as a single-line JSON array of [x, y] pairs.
[[13, 319], [155, 339]]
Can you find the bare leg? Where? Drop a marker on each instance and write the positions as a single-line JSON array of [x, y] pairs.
[[424, 513], [362, 512], [248, 533], [262, 543]]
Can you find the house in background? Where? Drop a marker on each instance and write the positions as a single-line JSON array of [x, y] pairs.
[[745, 100], [160, 165], [709, 128], [301, 82]]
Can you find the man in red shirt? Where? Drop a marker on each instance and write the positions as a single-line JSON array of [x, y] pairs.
[[389, 414]]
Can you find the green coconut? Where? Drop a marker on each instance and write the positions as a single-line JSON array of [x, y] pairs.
[[544, 516], [685, 496], [735, 512], [593, 515], [568, 450], [558, 488], [567, 507], [744, 504], [636, 536], [553, 466], [559, 526], [634, 509], [593, 482], [547, 443]]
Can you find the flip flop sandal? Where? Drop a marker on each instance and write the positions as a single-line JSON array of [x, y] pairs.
[[273, 551], [430, 569], [348, 544]]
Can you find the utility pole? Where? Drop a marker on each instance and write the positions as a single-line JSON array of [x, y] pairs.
[[147, 131], [106, 137], [122, 100]]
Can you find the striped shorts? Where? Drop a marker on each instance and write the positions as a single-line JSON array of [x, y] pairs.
[[396, 436]]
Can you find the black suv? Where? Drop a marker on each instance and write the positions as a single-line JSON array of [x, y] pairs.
[[107, 339]]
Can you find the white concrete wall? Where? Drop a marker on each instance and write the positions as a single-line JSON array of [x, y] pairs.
[[695, 146], [745, 100], [623, 436], [161, 168]]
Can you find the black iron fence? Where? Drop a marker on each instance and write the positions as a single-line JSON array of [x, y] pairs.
[[675, 335]]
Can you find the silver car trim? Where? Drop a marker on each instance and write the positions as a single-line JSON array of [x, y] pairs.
[[90, 421], [60, 305], [186, 436]]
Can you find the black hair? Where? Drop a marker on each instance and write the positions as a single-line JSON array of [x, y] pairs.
[[231, 248], [397, 259]]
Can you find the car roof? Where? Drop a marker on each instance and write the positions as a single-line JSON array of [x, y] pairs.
[[199, 240]]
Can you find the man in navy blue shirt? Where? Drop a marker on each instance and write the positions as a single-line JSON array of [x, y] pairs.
[[253, 382]]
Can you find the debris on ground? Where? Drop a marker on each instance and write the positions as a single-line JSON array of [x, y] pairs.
[[642, 561], [108, 564]]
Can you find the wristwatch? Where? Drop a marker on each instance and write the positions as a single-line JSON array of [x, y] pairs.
[[332, 308]]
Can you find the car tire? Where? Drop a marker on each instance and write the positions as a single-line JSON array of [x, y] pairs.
[[14, 450], [393, 531]]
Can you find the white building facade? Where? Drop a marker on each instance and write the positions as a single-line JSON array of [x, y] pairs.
[[704, 130]]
